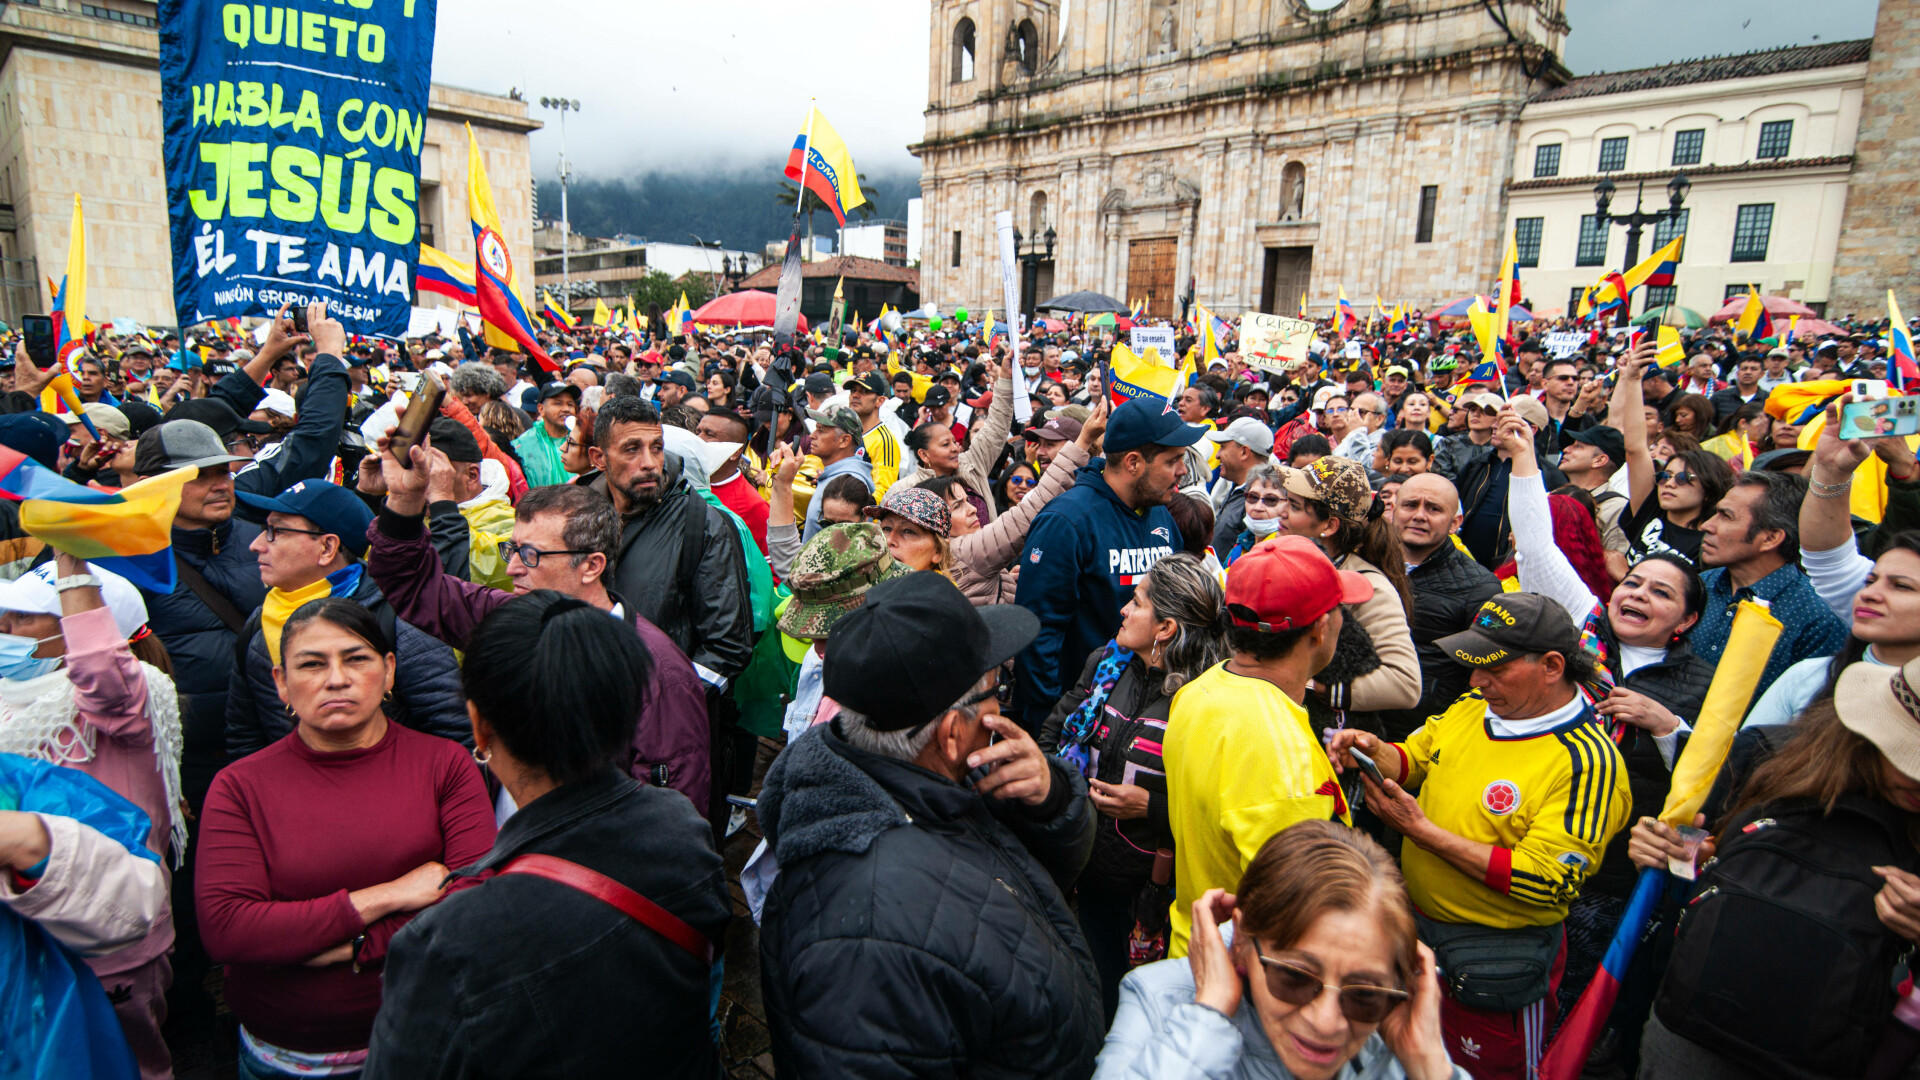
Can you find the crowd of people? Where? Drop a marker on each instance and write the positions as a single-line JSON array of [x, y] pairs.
[[1316, 721]]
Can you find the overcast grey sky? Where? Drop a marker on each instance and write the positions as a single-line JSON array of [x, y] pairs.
[[704, 84]]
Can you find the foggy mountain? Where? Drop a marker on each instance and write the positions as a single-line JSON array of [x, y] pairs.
[[736, 208]]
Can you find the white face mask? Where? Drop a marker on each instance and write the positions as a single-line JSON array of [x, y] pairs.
[[1262, 528]]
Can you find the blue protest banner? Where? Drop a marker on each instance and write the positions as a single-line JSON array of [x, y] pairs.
[[293, 135]]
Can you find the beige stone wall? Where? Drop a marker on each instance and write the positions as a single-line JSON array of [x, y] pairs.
[[1881, 227], [80, 112], [1151, 118]]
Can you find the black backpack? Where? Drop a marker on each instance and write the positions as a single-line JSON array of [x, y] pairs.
[[1779, 962]]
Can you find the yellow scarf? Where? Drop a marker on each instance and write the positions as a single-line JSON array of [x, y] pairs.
[[280, 604]]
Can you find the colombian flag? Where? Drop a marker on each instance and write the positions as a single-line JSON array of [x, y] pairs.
[[441, 273], [1903, 369], [505, 323], [1753, 322], [821, 164], [1344, 309], [70, 325], [556, 314], [1398, 323], [1145, 376], [128, 532]]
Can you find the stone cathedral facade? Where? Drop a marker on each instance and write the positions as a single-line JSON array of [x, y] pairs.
[[1260, 148]]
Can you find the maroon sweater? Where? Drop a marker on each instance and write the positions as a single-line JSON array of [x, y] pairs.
[[286, 834]]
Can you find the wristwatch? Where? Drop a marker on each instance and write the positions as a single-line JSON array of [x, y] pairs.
[[75, 581], [359, 942]]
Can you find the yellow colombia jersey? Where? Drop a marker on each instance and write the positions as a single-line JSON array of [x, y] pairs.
[[1243, 763], [883, 454], [1548, 804]]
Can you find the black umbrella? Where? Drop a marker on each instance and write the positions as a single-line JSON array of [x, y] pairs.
[[1085, 302]]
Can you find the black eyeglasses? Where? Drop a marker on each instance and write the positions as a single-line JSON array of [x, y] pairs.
[[529, 555], [274, 532], [1359, 1002]]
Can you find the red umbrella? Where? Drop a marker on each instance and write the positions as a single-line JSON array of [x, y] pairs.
[[1777, 306], [1816, 328], [749, 307]]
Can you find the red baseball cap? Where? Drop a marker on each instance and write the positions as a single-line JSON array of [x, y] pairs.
[[1285, 583]]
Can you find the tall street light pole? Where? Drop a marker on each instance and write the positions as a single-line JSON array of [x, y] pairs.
[[1677, 189], [565, 106]]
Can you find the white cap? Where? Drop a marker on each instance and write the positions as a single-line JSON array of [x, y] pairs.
[[435, 354], [1248, 432], [1321, 395], [277, 400], [33, 593]]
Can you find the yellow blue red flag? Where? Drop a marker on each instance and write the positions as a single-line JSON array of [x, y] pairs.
[[821, 164], [129, 532], [503, 313], [441, 273]]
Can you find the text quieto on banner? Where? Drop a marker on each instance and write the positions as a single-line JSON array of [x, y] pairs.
[[293, 139]]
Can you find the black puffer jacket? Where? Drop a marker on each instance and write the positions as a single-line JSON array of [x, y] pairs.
[[524, 977], [1680, 683], [200, 643], [703, 604], [426, 685], [1448, 588], [1125, 747], [916, 929]]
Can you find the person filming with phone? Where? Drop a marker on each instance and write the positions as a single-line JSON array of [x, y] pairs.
[[1520, 791]]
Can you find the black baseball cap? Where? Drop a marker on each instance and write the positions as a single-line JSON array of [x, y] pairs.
[[820, 383], [1604, 439], [555, 389], [1510, 625], [915, 647], [937, 396], [451, 437], [678, 378], [218, 415], [872, 382]]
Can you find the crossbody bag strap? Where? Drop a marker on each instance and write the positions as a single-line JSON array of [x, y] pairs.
[[603, 888], [215, 600]]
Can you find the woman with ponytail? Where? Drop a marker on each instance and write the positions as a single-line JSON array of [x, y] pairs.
[[1110, 725], [529, 974], [1376, 666]]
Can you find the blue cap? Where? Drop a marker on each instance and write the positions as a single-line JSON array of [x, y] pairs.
[[330, 507], [1146, 421]]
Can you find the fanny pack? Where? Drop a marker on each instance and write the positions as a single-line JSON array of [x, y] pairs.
[[1492, 969]]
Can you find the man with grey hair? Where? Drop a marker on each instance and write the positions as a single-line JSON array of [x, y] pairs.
[[919, 860], [1367, 417]]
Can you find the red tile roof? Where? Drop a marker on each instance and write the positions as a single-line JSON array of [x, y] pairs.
[[1714, 69], [852, 267]]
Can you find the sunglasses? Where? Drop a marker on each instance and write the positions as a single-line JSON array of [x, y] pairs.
[[1678, 476], [1268, 501], [1359, 1002], [1020, 481]]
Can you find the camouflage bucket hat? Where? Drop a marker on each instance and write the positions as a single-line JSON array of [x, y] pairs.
[[831, 576], [1338, 483], [842, 417]]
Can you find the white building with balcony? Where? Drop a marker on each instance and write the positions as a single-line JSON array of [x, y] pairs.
[[1765, 139]]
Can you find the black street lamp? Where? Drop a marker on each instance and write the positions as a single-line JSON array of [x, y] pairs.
[[1677, 189], [1030, 261]]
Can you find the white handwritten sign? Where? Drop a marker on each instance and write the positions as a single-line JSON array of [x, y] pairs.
[[1563, 343], [1142, 338], [1274, 342]]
